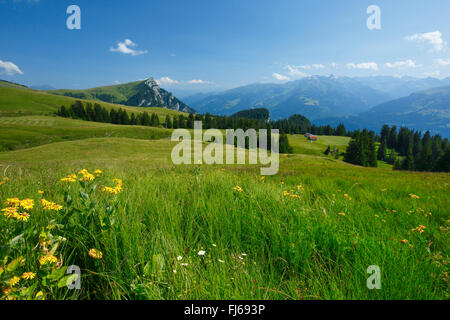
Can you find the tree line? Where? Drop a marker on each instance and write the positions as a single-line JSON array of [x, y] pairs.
[[406, 149], [98, 113], [415, 151]]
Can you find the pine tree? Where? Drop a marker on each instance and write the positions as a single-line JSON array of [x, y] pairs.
[[443, 163], [381, 155], [168, 123], [408, 163], [392, 140]]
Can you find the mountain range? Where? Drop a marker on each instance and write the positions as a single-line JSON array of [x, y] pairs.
[[423, 110], [370, 102], [419, 103], [143, 93]]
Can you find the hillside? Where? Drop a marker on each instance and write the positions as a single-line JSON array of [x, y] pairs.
[[144, 93], [30, 131], [424, 110], [8, 84], [23, 101]]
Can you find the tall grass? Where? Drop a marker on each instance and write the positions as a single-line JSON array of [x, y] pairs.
[[308, 233]]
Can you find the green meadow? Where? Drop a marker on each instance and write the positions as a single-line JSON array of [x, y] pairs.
[[206, 232]]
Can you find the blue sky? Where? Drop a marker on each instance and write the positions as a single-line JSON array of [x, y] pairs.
[[205, 45]]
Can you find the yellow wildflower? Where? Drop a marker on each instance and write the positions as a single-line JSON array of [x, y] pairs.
[[341, 214], [98, 172], [86, 176], [414, 196], [12, 202], [23, 216], [48, 205], [13, 281], [69, 178], [48, 259], [27, 204], [28, 275], [40, 192], [96, 254], [237, 188], [10, 212], [420, 229], [347, 196], [118, 188], [404, 241], [39, 295]]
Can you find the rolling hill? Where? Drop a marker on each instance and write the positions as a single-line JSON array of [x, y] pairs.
[[144, 93], [18, 100]]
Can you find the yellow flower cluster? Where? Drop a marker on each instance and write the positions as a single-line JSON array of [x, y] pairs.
[[86, 176], [28, 275], [13, 281], [419, 229], [117, 189], [341, 214], [291, 194], [48, 259], [96, 254], [70, 178], [414, 196], [2, 181], [347, 196], [238, 189], [48, 205], [13, 206]]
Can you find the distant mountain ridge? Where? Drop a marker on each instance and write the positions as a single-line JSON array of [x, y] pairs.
[[423, 110], [314, 97], [143, 93]]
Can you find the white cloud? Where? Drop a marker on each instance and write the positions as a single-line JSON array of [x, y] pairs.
[[312, 66], [169, 81], [280, 77], [363, 65], [198, 81], [295, 72], [334, 65], [433, 38], [126, 48], [443, 62], [401, 64], [166, 81], [9, 68], [433, 74]]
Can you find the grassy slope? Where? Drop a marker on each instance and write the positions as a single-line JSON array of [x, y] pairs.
[[30, 131], [118, 92], [296, 248], [15, 101], [303, 146], [7, 84]]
